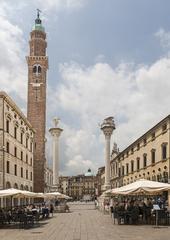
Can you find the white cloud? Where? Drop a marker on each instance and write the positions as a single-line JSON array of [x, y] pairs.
[[12, 68], [61, 4], [137, 97], [164, 38]]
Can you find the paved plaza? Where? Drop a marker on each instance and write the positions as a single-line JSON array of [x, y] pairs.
[[84, 223]]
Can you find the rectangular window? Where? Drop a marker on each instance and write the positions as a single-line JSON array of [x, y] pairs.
[[7, 167], [127, 168], [31, 176], [31, 161], [138, 146], [26, 174], [15, 170], [123, 170], [153, 156], [132, 166], [15, 151], [21, 155], [26, 142], [7, 126], [138, 163], [21, 172], [119, 172], [15, 132], [116, 168], [31, 146], [144, 160], [164, 152], [7, 147], [26, 158], [21, 138]]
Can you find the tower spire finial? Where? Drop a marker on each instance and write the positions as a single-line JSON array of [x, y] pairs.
[[38, 13], [38, 20]]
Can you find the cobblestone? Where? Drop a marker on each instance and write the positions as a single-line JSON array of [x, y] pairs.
[[85, 223]]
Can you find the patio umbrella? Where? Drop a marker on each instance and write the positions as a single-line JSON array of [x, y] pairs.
[[141, 186], [10, 192], [56, 195]]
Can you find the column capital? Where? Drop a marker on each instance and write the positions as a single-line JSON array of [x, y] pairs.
[[55, 132], [108, 126]]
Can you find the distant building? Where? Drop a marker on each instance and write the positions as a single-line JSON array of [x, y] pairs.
[[16, 146], [79, 187]]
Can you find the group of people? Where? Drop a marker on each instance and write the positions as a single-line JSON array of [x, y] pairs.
[[9, 215], [130, 211]]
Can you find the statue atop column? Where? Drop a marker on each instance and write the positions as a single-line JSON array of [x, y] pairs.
[[56, 122], [107, 127], [55, 133]]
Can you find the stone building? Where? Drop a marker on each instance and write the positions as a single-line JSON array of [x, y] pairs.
[[100, 179], [148, 157], [79, 187], [48, 179], [16, 146], [36, 112]]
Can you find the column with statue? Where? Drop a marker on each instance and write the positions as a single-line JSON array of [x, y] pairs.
[[55, 133], [107, 128]]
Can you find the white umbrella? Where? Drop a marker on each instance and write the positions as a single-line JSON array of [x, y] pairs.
[[56, 195], [141, 186], [10, 192], [19, 193]]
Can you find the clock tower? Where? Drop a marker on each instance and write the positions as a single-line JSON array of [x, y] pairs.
[[36, 110]]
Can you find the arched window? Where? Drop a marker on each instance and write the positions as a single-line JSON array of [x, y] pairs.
[[39, 69], [34, 69], [16, 186]]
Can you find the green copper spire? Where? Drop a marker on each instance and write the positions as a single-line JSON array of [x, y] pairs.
[[38, 23]]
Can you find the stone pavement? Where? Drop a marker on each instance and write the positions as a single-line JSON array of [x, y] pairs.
[[85, 223]]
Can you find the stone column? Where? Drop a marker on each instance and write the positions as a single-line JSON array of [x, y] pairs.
[[55, 133], [107, 127]]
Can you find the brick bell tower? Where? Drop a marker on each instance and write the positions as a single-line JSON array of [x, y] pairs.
[[36, 110]]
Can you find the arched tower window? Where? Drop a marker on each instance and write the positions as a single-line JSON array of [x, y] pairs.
[[34, 69], [39, 69]]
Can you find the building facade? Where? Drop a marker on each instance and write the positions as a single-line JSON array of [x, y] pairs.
[[16, 147], [148, 157], [80, 187], [48, 180], [100, 179], [36, 111]]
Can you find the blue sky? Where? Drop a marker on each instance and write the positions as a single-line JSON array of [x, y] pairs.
[[106, 58]]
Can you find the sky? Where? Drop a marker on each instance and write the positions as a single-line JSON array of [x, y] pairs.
[[106, 58]]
